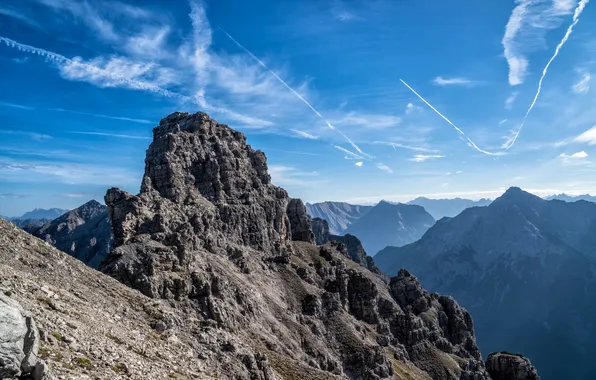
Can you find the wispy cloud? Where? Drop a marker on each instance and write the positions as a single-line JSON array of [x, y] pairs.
[[340, 12], [89, 15], [116, 135], [67, 173], [385, 168], [74, 195], [359, 163], [289, 151], [133, 120], [8, 11], [403, 146], [291, 177], [583, 86], [455, 81], [425, 157], [32, 135], [511, 99], [348, 154], [297, 95], [304, 134], [588, 137], [561, 5], [502, 121], [410, 108], [576, 155], [369, 121], [525, 30], [13, 105], [13, 196]]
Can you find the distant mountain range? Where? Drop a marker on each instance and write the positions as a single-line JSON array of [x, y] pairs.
[[572, 198], [390, 224], [339, 215], [40, 213], [525, 268], [440, 208], [83, 233]]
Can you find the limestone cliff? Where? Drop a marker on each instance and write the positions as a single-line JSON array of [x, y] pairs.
[[214, 237]]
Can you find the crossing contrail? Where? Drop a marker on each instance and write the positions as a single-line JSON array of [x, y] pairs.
[[297, 94], [472, 144], [578, 11]]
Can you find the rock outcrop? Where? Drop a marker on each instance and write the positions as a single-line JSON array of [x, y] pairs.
[[212, 237], [83, 233], [19, 344], [349, 244], [505, 366]]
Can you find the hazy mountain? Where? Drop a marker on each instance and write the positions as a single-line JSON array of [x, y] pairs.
[[525, 268], [439, 208], [572, 198], [83, 233], [30, 224], [339, 215], [40, 213], [390, 224]]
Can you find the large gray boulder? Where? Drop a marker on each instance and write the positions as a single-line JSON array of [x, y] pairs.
[[506, 366], [19, 343]]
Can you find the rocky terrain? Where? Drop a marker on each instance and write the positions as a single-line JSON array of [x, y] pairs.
[[388, 224], [519, 266], [219, 278], [440, 208], [210, 234], [506, 366], [339, 215], [83, 233]]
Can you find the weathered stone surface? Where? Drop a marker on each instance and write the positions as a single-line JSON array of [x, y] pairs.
[[83, 233], [505, 366], [19, 343], [350, 245], [211, 236]]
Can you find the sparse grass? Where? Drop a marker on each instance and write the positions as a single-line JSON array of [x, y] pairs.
[[120, 368], [8, 293], [57, 335], [114, 338], [83, 362]]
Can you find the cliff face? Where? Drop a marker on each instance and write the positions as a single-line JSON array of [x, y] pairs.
[[83, 233], [210, 234]]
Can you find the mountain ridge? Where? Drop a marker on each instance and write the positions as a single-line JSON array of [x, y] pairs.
[[513, 264]]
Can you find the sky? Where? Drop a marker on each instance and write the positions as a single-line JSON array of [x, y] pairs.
[[350, 100]]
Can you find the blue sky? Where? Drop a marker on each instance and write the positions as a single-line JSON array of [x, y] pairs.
[[326, 88]]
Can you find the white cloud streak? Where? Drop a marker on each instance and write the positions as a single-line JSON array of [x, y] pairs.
[[509, 101], [349, 155], [359, 163], [588, 137], [403, 146], [297, 94], [440, 81], [304, 134], [385, 168], [425, 157], [578, 11], [583, 86], [112, 75]]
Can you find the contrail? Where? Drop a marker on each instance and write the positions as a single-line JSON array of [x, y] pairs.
[[295, 93], [578, 11], [449, 121], [131, 83]]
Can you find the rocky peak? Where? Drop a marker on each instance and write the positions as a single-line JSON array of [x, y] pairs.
[[205, 188], [515, 195], [506, 366], [194, 155]]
